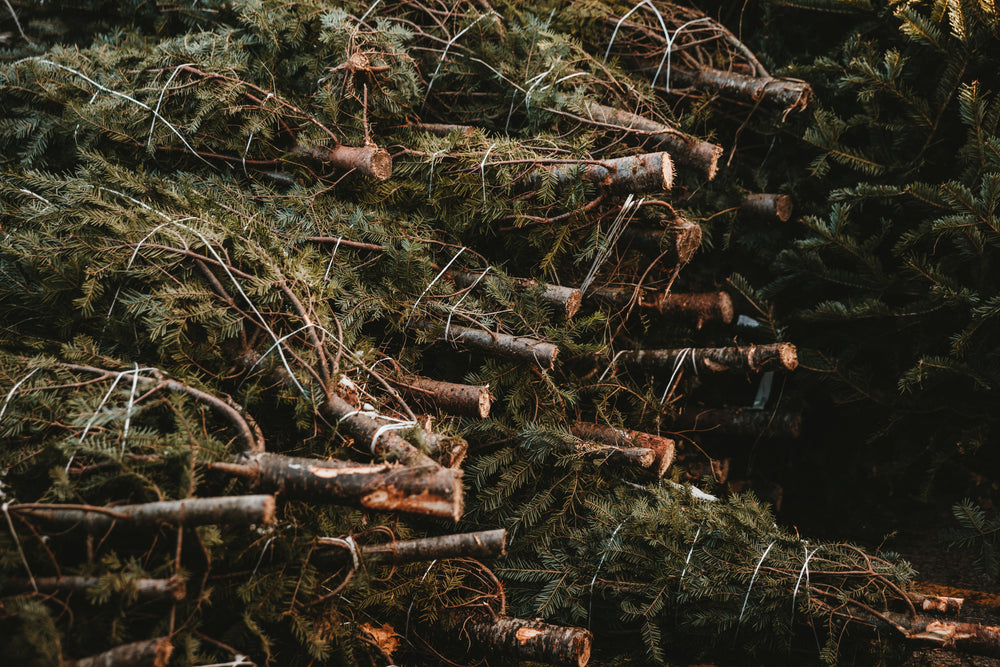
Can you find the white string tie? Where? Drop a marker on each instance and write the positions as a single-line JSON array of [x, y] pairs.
[[431, 284], [600, 564], [389, 427], [349, 544], [752, 579], [678, 366], [610, 366], [354, 413], [680, 581], [803, 571], [482, 169], [447, 325]]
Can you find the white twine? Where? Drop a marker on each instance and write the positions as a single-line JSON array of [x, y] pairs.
[[625, 215], [36, 196], [245, 151], [444, 55], [431, 284], [406, 630], [100, 406], [354, 413], [17, 541], [680, 581], [805, 571], [430, 180], [639, 6], [389, 427], [10, 394], [669, 51], [447, 325], [131, 402], [678, 366], [611, 365], [482, 169], [752, 579], [369, 11], [600, 564], [156, 112], [349, 544], [326, 276], [261, 559], [534, 81]]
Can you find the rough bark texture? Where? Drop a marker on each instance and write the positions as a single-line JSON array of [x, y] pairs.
[[750, 359], [789, 94], [940, 604], [699, 307], [504, 345], [173, 588], [744, 422], [970, 596], [772, 207], [429, 490], [532, 641], [565, 300], [460, 399], [229, 510], [444, 129], [369, 160], [154, 652], [679, 241], [659, 451], [364, 428], [683, 148], [481, 545], [649, 172], [965, 637]]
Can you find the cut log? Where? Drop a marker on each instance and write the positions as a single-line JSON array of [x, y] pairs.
[[145, 590], [683, 148], [789, 94], [699, 307], [744, 422], [230, 510], [964, 637], [649, 172], [480, 545], [681, 237], [369, 160], [940, 604], [970, 596], [565, 300], [768, 206], [387, 487], [652, 452], [750, 359], [504, 345], [443, 129], [532, 641], [154, 653], [459, 399]]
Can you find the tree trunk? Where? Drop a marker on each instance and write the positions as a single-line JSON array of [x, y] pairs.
[[649, 172], [173, 588], [681, 237], [789, 94], [964, 637], [532, 641], [504, 345], [768, 206], [228, 510], [744, 422], [751, 359], [656, 451], [480, 545], [369, 160], [459, 399], [154, 652], [387, 487], [683, 148], [698, 307], [566, 300]]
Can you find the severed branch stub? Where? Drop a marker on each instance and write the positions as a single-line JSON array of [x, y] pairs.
[[482, 544], [699, 307], [532, 641], [767, 206], [566, 300], [744, 422], [504, 345], [228, 510], [940, 604], [151, 653], [751, 359], [681, 238], [369, 160], [460, 399], [646, 450], [964, 637], [789, 94], [173, 588], [649, 172], [430, 490], [685, 149]]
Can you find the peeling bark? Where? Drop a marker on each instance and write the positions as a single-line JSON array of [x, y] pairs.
[[504, 345], [936, 603], [460, 399], [565, 300], [532, 641], [790, 94], [699, 307], [427, 490], [369, 160], [173, 588], [964, 637], [744, 422], [683, 148], [681, 237], [750, 359], [481, 545], [769, 206], [229, 510], [649, 172], [652, 452], [154, 652]]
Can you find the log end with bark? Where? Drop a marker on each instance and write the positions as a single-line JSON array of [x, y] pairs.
[[768, 206], [461, 399], [652, 452], [532, 641], [701, 307], [369, 160]]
